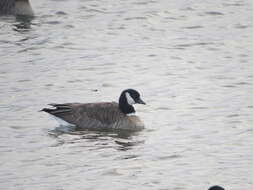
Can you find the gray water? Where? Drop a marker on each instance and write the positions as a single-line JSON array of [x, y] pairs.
[[190, 60]]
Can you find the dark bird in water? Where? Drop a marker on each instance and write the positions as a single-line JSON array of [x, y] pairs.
[[16, 7], [102, 115], [216, 187]]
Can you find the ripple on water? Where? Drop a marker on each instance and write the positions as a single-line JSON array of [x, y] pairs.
[[24, 80], [136, 18], [61, 13], [112, 172], [74, 81], [237, 4], [193, 27], [240, 26], [199, 107], [214, 13], [233, 115], [128, 157], [170, 157], [54, 22], [229, 86], [183, 46]]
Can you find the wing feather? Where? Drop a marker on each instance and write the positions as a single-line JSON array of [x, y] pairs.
[[89, 115]]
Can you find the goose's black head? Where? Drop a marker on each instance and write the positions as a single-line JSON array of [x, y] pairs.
[[216, 187], [127, 99]]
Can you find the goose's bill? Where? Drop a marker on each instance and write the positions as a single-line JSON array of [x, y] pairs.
[[140, 101]]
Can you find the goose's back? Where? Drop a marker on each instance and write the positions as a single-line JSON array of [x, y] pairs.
[[97, 115]]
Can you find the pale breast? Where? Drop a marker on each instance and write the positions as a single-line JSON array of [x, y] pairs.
[[132, 123], [23, 8]]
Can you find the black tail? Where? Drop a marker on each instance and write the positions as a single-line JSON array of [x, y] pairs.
[[47, 110], [59, 108]]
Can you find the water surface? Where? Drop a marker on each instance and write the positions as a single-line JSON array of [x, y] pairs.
[[192, 63]]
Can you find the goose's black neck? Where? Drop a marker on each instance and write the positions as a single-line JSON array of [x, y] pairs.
[[124, 106]]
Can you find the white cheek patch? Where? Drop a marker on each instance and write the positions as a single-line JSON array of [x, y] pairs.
[[130, 100]]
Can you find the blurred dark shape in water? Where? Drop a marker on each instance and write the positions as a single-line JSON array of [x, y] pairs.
[[23, 23]]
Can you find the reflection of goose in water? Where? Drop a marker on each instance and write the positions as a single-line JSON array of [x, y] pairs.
[[16, 7], [120, 140]]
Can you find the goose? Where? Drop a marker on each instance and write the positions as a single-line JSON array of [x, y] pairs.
[[102, 115], [16, 7], [216, 187]]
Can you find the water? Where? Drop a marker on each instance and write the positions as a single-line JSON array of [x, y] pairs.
[[191, 61]]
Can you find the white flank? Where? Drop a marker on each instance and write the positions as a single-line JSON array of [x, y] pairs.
[[62, 122], [131, 114], [130, 100]]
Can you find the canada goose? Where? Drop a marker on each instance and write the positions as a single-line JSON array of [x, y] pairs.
[[216, 187], [103, 115], [16, 7]]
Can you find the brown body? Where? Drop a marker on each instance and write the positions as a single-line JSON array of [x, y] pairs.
[[104, 115], [15, 7]]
